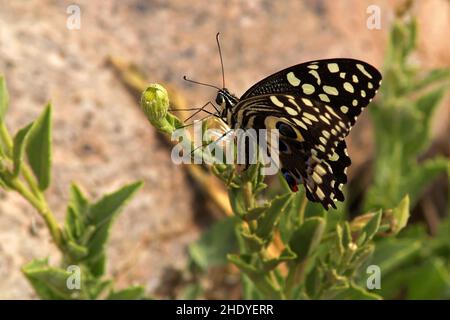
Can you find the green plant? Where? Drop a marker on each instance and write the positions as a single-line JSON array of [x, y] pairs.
[[402, 119], [25, 167]]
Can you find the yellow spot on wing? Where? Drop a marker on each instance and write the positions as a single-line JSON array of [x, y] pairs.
[[315, 75], [307, 88], [348, 86], [363, 70], [355, 79], [317, 179], [276, 102], [320, 170], [292, 79], [330, 90], [307, 102], [324, 97], [313, 66], [291, 111], [300, 123], [363, 93], [320, 193], [324, 119], [333, 67], [344, 109], [310, 116], [355, 102]]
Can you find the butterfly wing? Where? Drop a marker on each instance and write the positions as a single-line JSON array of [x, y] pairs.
[[348, 85], [312, 149]]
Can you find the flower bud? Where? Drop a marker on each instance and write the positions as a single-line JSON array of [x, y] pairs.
[[155, 104]]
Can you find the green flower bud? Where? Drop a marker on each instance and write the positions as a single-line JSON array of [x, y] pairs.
[[155, 103]]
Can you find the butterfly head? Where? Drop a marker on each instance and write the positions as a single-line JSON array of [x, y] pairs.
[[226, 101]]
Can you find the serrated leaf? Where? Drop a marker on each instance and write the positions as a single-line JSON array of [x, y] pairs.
[[110, 205], [130, 293], [78, 200], [101, 215], [39, 148], [307, 238], [4, 98], [48, 282], [18, 148]]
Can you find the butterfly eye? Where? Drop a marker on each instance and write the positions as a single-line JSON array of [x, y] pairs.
[[219, 99]]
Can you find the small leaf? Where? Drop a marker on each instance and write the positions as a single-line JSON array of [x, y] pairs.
[[401, 215], [4, 98], [130, 293], [252, 241], [307, 237], [48, 282], [269, 220], [109, 205], [39, 148], [371, 228], [355, 292], [19, 147]]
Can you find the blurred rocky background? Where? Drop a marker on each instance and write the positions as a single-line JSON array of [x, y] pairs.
[[101, 138]]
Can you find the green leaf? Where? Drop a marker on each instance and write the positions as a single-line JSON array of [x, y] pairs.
[[39, 148], [354, 292], [101, 215], [434, 281], [214, 245], [4, 98], [252, 241], [130, 293], [261, 281], [76, 251], [269, 220], [401, 215], [307, 237], [78, 200], [371, 228], [49, 282], [19, 147], [110, 205]]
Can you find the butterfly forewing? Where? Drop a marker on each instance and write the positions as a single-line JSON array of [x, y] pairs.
[[347, 85]]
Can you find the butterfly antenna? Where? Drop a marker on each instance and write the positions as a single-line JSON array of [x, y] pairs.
[[221, 60], [201, 83]]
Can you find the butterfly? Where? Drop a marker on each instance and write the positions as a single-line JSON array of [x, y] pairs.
[[314, 105]]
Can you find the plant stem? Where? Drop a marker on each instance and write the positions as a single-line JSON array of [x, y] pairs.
[[4, 135], [43, 210], [35, 197], [303, 208]]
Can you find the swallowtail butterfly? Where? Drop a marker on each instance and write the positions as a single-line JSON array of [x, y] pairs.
[[314, 106]]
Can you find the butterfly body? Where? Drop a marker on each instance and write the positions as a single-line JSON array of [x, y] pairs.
[[314, 106]]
